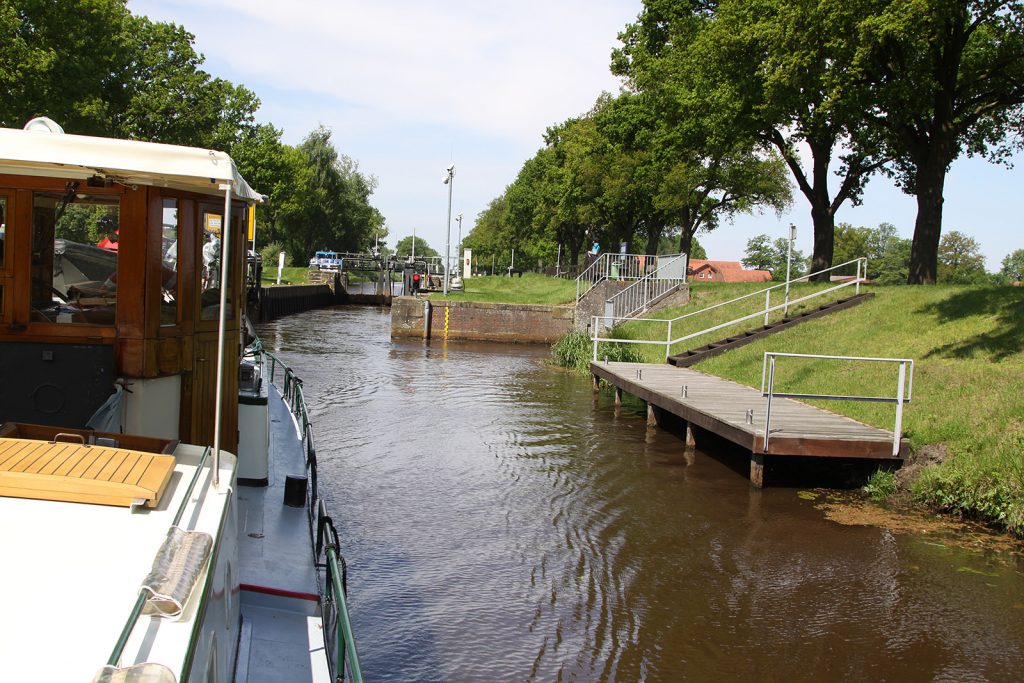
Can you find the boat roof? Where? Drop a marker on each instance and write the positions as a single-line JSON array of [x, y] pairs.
[[40, 153]]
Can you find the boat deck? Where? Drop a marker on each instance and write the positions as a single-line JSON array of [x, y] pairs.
[[70, 588], [282, 637]]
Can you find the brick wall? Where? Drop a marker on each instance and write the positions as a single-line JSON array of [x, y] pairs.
[[479, 321]]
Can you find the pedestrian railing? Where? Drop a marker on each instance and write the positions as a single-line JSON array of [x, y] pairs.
[[647, 291], [616, 267], [904, 389], [600, 323]]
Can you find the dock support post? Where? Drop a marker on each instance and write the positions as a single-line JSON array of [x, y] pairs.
[[596, 386], [757, 470], [427, 312], [690, 441], [652, 415], [618, 396]]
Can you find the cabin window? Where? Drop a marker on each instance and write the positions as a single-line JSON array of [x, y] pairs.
[[74, 257], [169, 296], [212, 258]]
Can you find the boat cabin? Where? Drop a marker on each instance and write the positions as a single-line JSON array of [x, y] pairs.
[[111, 258]]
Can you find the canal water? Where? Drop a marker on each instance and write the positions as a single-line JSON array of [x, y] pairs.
[[501, 525]]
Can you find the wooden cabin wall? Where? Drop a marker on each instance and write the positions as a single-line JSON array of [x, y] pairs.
[[142, 347]]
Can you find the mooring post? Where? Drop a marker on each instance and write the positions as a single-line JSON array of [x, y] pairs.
[[757, 470], [618, 396]]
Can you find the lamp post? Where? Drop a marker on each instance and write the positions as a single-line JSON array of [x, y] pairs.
[[449, 180], [789, 260], [458, 249]]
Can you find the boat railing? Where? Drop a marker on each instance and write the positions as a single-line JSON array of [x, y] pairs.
[[115, 656], [327, 550]]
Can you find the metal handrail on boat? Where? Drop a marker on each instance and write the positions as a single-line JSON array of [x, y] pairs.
[[327, 551], [140, 602]]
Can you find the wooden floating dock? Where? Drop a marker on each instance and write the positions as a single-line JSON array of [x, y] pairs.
[[722, 407]]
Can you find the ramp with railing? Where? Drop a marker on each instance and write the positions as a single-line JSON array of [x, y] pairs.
[[619, 267], [668, 275], [780, 309]]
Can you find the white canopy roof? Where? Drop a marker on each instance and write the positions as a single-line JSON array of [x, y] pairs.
[[134, 163]]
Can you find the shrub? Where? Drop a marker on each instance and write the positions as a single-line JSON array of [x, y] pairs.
[[576, 349], [269, 253]]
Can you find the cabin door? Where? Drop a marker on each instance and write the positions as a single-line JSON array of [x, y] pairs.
[[205, 357]]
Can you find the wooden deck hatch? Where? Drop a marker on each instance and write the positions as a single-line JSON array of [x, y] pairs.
[[81, 473]]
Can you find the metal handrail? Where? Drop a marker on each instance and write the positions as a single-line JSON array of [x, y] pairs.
[[902, 382], [609, 266], [610, 321], [322, 533], [643, 293], [140, 601]]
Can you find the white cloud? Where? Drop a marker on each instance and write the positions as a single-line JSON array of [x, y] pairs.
[[506, 69]]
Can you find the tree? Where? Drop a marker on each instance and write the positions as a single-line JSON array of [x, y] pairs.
[[892, 267], [692, 181], [171, 99], [763, 254], [947, 78], [331, 208], [272, 168], [65, 60], [960, 259], [1013, 266], [772, 71], [423, 250], [759, 254]]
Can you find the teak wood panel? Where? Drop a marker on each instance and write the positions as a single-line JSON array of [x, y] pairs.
[[82, 474]]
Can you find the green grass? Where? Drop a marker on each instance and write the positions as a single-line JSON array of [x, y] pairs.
[[531, 288], [704, 295], [292, 275], [967, 343], [968, 394]]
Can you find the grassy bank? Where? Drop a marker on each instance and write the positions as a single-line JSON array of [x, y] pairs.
[[531, 288], [292, 275], [968, 404]]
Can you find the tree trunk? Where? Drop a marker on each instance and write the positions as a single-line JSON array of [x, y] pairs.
[[821, 212], [824, 240], [688, 227], [652, 241], [930, 180]]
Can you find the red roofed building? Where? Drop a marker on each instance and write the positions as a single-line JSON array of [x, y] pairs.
[[724, 271]]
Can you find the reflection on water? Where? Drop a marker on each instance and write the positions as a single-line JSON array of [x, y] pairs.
[[498, 525]]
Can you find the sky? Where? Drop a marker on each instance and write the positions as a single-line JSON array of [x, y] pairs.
[[409, 87]]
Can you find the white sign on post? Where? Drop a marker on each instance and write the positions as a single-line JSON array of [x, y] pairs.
[[280, 266], [467, 263]]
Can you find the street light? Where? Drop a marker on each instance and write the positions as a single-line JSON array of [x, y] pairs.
[[458, 249], [789, 259], [449, 180]]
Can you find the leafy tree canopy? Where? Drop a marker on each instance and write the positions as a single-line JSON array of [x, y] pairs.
[[960, 259], [423, 250]]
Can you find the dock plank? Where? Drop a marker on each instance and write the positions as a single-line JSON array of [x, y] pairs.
[[720, 406]]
